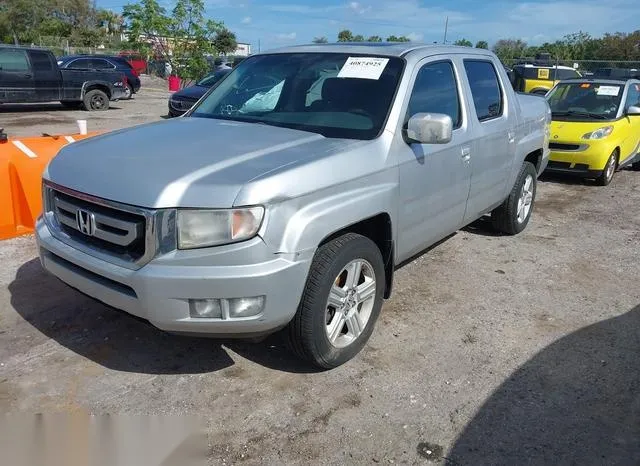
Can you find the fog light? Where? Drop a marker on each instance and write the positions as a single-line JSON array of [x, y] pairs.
[[245, 307], [209, 308]]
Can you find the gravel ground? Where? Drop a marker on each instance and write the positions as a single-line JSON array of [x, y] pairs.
[[493, 350], [150, 104]]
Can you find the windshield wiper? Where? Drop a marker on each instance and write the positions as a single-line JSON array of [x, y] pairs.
[[597, 116]]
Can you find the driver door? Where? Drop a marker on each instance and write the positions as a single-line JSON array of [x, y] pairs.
[[434, 178], [631, 124]]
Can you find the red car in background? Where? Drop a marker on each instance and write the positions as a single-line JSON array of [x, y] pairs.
[[137, 62]]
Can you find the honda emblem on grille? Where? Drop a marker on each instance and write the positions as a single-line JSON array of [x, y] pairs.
[[86, 222]]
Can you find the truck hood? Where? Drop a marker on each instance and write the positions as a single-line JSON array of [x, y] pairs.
[[186, 162]]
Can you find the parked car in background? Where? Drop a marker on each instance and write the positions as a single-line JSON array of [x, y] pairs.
[[539, 79], [183, 100], [136, 60], [617, 73], [29, 75], [104, 62], [268, 207], [595, 128]]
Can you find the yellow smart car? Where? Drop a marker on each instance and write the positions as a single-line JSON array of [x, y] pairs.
[[539, 79], [595, 127]]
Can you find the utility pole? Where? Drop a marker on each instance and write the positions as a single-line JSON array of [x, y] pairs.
[[446, 26], [258, 45]]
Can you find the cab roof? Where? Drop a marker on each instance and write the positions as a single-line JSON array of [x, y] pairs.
[[397, 49]]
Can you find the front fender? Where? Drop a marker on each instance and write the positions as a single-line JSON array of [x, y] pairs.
[[308, 225]]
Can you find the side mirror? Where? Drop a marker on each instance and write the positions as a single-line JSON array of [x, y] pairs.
[[633, 110], [429, 128]]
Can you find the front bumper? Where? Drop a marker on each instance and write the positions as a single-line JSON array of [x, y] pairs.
[[159, 291], [586, 158]]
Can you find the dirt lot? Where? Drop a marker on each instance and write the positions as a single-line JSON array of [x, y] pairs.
[[493, 350], [33, 120]]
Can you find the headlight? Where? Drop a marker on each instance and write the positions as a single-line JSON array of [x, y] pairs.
[[202, 228], [599, 133]]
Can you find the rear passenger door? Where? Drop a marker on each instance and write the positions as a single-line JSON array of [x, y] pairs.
[[16, 78], [46, 76], [434, 178], [494, 127]]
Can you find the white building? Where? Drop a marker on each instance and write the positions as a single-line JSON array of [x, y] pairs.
[[243, 50]]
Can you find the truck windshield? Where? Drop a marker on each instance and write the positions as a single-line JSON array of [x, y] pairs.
[[333, 94], [585, 101]]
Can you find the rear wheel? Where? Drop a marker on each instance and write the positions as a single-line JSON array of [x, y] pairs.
[[340, 303], [128, 92], [513, 215], [609, 170], [96, 100]]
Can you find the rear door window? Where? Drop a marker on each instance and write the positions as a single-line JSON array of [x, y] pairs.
[[80, 64], [13, 60], [101, 64], [41, 61], [485, 89]]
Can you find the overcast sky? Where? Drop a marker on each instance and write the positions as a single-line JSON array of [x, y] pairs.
[[274, 23]]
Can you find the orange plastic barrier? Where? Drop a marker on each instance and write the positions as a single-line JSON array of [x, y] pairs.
[[22, 161]]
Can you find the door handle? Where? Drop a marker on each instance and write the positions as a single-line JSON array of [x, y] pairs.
[[512, 137], [466, 153], [27, 76]]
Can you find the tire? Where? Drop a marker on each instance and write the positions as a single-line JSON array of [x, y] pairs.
[[71, 104], [333, 265], [128, 92], [635, 166], [609, 170], [513, 215], [96, 100]]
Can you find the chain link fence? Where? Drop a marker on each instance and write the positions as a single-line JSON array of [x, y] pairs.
[[583, 66]]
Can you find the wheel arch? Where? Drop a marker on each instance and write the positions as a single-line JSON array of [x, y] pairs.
[[99, 86], [378, 229]]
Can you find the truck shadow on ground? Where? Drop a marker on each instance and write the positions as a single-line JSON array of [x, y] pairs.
[[575, 402], [119, 341]]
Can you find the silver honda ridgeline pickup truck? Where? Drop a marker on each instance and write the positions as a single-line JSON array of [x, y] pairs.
[[289, 193]]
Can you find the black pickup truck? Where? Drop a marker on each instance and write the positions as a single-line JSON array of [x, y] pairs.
[[30, 75]]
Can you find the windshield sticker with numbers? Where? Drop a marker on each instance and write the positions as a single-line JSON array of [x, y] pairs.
[[363, 67], [608, 90]]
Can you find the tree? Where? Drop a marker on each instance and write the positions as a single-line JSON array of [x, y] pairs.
[[482, 44], [320, 40], [184, 39], [225, 41], [463, 42], [374, 39], [398, 39], [358, 38], [509, 49], [345, 36]]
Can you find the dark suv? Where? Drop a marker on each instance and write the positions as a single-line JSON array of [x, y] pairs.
[[104, 62]]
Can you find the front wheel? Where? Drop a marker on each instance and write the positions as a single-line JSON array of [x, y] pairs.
[[513, 215], [340, 303], [609, 170], [96, 100]]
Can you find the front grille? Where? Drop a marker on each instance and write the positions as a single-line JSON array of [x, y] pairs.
[[564, 147], [182, 104], [103, 228], [563, 165]]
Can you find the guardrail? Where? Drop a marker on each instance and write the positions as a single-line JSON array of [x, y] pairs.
[[22, 161]]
